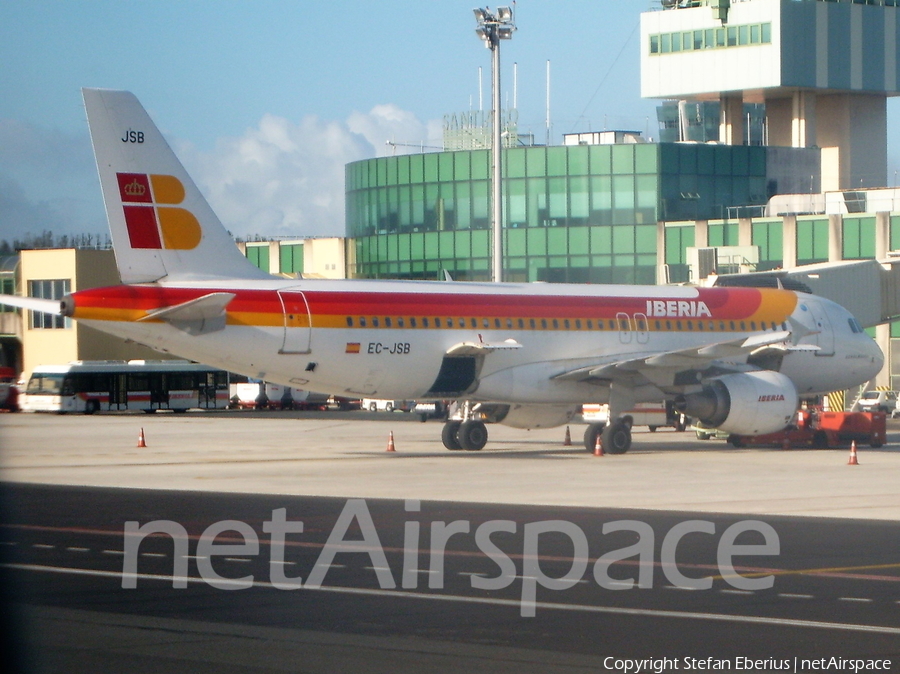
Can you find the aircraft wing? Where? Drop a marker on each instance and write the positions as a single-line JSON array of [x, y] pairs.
[[33, 303], [668, 368]]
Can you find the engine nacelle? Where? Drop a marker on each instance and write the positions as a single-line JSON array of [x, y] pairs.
[[535, 416], [749, 403]]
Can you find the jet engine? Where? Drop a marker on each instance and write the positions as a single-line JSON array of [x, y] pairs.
[[750, 403], [529, 416]]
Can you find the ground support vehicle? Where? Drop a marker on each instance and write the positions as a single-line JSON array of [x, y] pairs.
[[259, 395], [823, 430], [378, 405], [432, 409], [9, 393], [103, 385]]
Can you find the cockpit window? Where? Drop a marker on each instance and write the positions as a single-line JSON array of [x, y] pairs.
[[854, 325]]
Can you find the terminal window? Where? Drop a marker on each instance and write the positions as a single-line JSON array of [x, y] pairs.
[[50, 289]]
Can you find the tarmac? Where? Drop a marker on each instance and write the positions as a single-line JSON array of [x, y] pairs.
[[344, 454]]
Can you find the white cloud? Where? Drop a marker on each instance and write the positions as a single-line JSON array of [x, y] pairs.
[[286, 178], [280, 178]]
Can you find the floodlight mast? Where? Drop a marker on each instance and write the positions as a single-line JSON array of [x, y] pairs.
[[492, 28]]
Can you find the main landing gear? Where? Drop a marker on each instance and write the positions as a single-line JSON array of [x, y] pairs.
[[470, 433], [616, 437]]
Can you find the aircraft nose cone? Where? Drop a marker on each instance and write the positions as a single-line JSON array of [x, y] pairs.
[[877, 356]]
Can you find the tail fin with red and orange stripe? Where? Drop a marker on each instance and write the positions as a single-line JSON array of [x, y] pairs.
[[161, 225]]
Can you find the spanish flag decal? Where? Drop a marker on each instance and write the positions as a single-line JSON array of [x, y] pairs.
[[352, 347]]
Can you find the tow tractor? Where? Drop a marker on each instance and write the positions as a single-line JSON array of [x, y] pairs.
[[822, 430]]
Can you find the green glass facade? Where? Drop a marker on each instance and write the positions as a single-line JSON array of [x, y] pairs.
[[581, 214]]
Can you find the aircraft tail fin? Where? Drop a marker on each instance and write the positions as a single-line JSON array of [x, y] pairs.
[[161, 224]]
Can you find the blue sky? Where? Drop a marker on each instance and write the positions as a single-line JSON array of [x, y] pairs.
[[266, 101]]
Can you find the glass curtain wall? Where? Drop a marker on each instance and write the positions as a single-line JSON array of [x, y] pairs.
[[583, 214], [577, 214]]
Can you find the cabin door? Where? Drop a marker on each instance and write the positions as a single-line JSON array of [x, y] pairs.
[[297, 322]]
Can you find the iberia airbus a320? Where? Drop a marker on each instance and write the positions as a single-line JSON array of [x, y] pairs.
[[526, 355]]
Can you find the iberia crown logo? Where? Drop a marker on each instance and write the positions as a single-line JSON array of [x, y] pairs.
[[151, 215]]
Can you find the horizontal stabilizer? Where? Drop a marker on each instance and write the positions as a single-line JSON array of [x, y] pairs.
[[196, 317], [33, 303]]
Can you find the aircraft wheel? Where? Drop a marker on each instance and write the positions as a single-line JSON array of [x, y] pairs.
[[472, 435], [448, 435], [617, 438], [590, 436]]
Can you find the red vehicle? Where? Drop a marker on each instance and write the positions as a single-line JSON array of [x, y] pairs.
[[9, 393], [823, 430]]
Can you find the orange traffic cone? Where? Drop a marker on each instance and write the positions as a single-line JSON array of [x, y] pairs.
[[568, 441], [390, 447], [853, 460], [598, 445], [141, 441]]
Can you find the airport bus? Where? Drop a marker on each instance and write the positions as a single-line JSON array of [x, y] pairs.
[[149, 385]]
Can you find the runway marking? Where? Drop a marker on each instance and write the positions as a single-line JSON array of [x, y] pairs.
[[839, 571], [791, 595], [78, 549], [42, 546], [512, 603], [742, 592], [113, 552], [238, 559], [862, 600], [153, 554]]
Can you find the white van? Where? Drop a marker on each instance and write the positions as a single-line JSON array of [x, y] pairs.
[[652, 415], [378, 405]]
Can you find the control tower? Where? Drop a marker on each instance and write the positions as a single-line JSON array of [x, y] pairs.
[[822, 68]]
